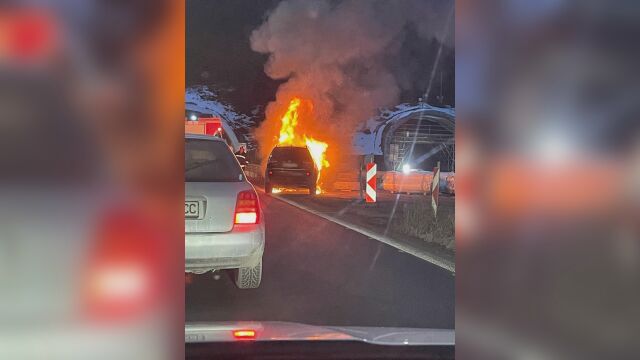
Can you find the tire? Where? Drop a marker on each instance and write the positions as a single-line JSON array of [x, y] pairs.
[[248, 277], [268, 188], [312, 190]]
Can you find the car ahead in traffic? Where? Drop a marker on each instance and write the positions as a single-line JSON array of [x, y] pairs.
[[224, 226], [291, 166], [82, 258]]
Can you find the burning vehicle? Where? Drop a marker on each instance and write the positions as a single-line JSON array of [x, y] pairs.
[[291, 166], [297, 160], [331, 87]]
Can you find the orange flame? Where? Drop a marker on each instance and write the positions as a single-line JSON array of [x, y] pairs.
[[289, 123], [288, 136]]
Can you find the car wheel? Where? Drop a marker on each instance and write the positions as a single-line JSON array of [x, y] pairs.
[[268, 188], [248, 277], [312, 188]]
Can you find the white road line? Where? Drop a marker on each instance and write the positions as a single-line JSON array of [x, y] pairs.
[[447, 265]]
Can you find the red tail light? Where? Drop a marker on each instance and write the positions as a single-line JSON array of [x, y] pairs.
[[120, 281], [28, 35], [247, 208], [244, 334]]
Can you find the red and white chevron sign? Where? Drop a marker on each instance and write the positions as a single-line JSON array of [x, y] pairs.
[[370, 193], [435, 189]]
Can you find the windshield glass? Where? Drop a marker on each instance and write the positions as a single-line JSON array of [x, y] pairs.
[[209, 161], [294, 154], [346, 110]]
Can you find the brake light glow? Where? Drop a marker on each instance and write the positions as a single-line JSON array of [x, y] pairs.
[[118, 286], [27, 35], [119, 283], [246, 218], [247, 208], [244, 334]]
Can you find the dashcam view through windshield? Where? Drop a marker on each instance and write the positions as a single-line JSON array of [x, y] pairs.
[[341, 115]]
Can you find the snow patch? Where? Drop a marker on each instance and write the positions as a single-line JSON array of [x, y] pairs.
[[203, 100]]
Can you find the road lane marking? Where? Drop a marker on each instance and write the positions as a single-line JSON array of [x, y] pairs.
[[424, 255]]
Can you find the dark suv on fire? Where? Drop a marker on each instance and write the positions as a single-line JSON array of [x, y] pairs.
[[290, 166]]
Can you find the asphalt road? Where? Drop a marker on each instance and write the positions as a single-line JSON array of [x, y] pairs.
[[320, 273]]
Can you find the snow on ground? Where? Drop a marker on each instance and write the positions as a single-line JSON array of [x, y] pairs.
[[203, 100]]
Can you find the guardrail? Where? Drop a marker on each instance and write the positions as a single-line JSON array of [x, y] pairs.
[[253, 172], [347, 181], [414, 182], [392, 181]]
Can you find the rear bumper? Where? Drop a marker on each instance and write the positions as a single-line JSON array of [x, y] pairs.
[[291, 179], [241, 247]]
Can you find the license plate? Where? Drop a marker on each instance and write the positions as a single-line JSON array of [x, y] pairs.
[[290, 165], [191, 209]]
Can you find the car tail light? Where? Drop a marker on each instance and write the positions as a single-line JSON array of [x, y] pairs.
[[247, 208], [270, 172], [308, 173], [27, 35], [120, 281], [244, 334]]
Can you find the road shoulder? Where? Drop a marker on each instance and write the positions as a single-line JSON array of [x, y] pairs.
[[431, 253]]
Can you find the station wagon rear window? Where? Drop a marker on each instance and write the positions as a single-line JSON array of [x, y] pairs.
[[295, 154], [210, 161]]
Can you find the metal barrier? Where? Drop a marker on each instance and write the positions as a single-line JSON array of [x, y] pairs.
[[253, 172], [347, 181], [392, 181], [414, 182]]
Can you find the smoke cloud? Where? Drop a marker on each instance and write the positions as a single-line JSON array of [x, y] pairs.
[[336, 54]]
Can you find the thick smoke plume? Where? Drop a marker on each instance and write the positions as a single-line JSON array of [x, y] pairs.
[[337, 55]]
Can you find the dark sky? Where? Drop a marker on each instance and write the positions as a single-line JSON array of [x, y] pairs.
[[218, 53], [218, 50]]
